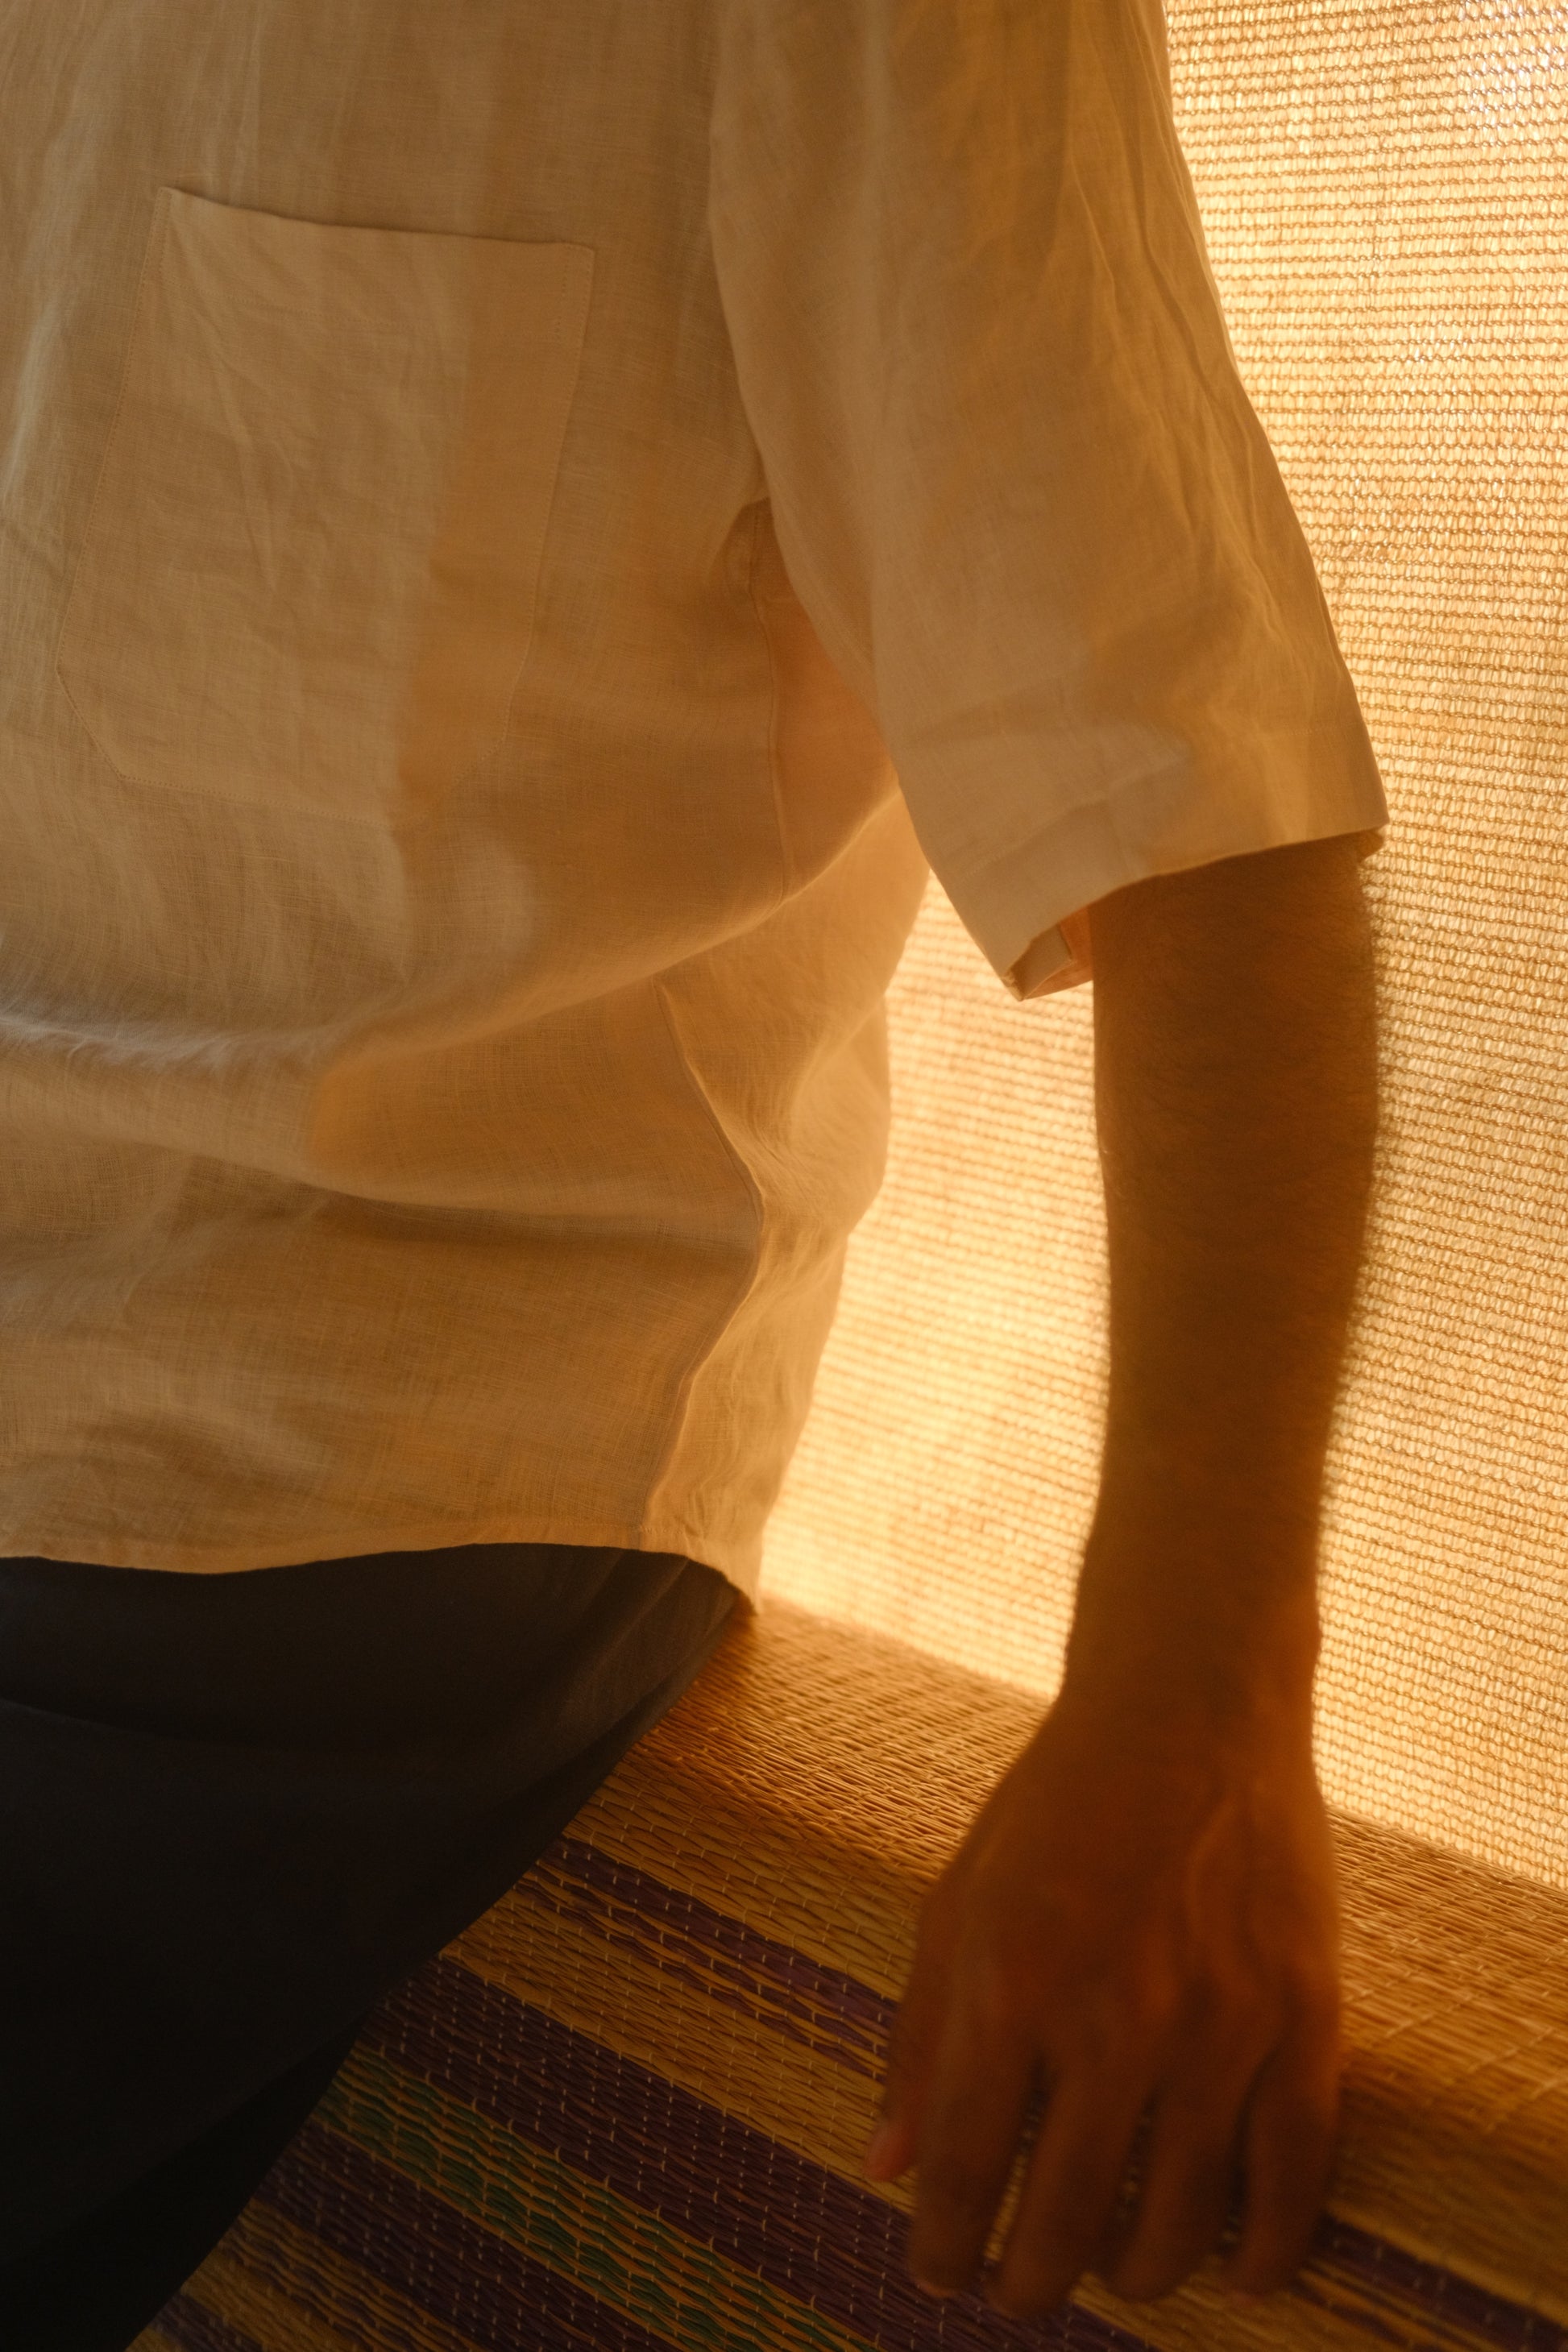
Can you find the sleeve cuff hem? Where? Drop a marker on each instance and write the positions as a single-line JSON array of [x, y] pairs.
[[1056, 954]]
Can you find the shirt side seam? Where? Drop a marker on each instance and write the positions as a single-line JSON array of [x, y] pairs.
[[787, 877], [680, 1417]]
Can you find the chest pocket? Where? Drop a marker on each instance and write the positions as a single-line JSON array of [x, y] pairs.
[[309, 569]]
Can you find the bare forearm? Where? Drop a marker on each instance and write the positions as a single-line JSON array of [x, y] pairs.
[[1143, 1916], [1235, 1084]]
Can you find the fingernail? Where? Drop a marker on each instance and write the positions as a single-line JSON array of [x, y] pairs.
[[878, 2149]]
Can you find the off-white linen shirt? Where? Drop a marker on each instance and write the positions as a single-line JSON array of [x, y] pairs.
[[522, 531]]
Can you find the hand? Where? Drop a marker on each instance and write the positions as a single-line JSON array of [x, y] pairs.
[[1142, 1915]]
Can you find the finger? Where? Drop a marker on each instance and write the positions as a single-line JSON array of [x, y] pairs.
[[974, 2111], [1289, 2152], [1194, 2152], [1069, 2204], [912, 2046]]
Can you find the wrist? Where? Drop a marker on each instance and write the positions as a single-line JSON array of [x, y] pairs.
[[1214, 1636]]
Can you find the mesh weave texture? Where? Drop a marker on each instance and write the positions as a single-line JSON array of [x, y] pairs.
[[1384, 190]]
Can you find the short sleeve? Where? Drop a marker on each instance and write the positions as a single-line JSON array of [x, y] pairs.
[[1016, 480]]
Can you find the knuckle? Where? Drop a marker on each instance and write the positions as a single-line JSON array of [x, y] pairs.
[[1125, 2017], [1154, 2010], [999, 1995], [910, 2038], [1235, 2038], [1074, 2228], [955, 2191]]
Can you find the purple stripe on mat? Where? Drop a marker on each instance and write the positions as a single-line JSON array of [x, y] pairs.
[[795, 1982], [819, 2238], [441, 2261], [813, 2236], [1408, 2284], [1375, 2268], [187, 2324]]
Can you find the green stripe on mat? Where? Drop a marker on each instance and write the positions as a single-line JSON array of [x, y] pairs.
[[626, 2258]]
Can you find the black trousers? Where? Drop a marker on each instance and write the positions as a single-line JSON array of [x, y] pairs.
[[235, 1810]]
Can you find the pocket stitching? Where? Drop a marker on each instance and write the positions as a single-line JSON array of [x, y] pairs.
[[159, 231]]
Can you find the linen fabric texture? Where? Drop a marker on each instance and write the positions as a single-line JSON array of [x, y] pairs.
[[527, 533]]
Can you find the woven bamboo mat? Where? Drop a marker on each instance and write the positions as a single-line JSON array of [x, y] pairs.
[[626, 2109]]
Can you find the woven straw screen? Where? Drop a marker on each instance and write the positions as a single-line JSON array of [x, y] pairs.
[[1384, 189]]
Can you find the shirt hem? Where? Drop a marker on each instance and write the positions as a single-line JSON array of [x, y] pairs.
[[740, 1563]]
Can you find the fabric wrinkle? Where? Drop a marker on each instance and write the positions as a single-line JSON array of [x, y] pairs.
[[528, 554]]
